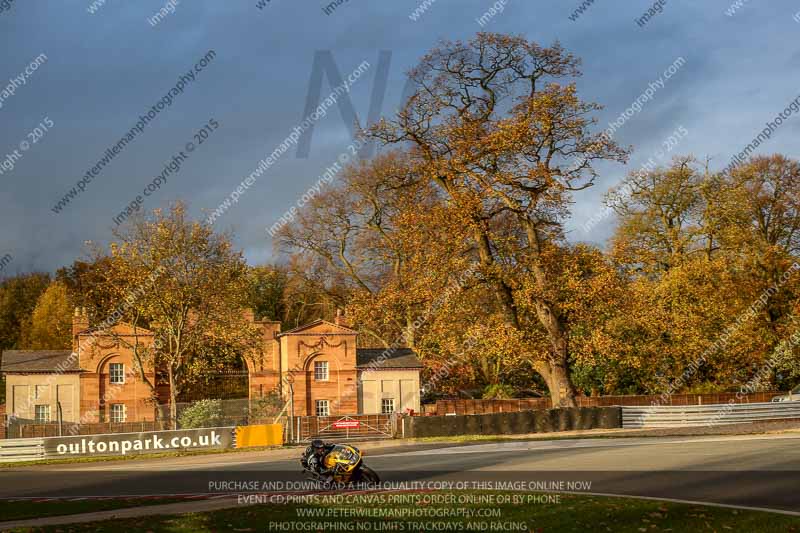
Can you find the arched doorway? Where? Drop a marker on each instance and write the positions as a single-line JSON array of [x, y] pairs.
[[231, 382]]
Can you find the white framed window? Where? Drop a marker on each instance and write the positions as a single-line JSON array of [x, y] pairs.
[[323, 408], [118, 412], [42, 413], [116, 373], [321, 370], [387, 406]]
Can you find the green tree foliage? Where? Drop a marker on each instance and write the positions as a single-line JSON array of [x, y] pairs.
[[266, 289]]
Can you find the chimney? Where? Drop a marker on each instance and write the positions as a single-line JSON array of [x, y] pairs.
[[341, 319], [80, 320]]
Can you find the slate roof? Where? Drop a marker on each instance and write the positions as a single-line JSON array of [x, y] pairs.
[[39, 361], [314, 324], [394, 358]]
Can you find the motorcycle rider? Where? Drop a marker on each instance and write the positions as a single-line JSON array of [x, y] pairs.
[[314, 456]]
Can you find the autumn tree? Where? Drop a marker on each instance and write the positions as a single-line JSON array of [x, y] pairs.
[[702, 249], [352, 247], [86, 281], [50, 326], [266, 291], [186, 284], [18, 297], [760, 214], [312, 291], [497, 126], [485, 158], [661, 216]]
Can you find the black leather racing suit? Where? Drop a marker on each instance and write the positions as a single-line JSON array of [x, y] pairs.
[[315, 462]]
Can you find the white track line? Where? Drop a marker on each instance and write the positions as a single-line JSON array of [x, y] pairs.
[[565, 444]]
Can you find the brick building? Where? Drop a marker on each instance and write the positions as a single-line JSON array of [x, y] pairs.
[[317, 366]]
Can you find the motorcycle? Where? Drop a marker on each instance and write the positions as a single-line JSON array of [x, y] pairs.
[[346, 466]]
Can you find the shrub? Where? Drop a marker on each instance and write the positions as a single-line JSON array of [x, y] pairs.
[[498, 391], [201, 414]]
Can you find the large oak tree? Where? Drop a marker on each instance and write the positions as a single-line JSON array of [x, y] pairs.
[[497, 125]]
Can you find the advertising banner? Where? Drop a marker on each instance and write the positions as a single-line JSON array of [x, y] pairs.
[[138, 443]]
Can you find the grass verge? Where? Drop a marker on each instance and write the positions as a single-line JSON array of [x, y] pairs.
[[22, 509], [458, 511]]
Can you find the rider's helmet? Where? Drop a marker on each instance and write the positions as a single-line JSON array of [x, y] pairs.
[[318, 446]]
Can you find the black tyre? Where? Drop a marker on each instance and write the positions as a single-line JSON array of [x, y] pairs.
[[368, 475]]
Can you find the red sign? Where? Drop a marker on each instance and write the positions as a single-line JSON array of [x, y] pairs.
[[346, 424]]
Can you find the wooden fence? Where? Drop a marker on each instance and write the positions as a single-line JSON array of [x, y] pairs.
[[479, 407]]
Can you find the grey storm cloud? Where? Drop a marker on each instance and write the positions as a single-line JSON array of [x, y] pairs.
[[107, 65]]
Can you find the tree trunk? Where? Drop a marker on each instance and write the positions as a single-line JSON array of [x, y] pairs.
[[556, 376], [501, 290], [410, 332], [562, 390], [559, 381], [173, 399], [555, 371], [158, 418]]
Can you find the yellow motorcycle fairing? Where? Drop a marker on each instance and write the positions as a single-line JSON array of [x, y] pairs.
[[345, 460]]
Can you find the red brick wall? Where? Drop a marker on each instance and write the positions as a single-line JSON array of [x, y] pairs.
[[97, 352], [262, 383], [322, 342], [264, 363], [134, 394], [339, 390]]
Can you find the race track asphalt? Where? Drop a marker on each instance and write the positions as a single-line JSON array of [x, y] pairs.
[[752, 471]]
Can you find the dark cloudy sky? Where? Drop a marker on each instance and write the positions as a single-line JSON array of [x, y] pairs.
[[105, 69]]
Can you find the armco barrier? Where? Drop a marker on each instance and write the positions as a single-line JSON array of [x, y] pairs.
[[520, 422], [15, 450], [707, 415]]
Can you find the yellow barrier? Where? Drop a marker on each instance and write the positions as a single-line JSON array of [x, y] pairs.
[[263, 435]]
